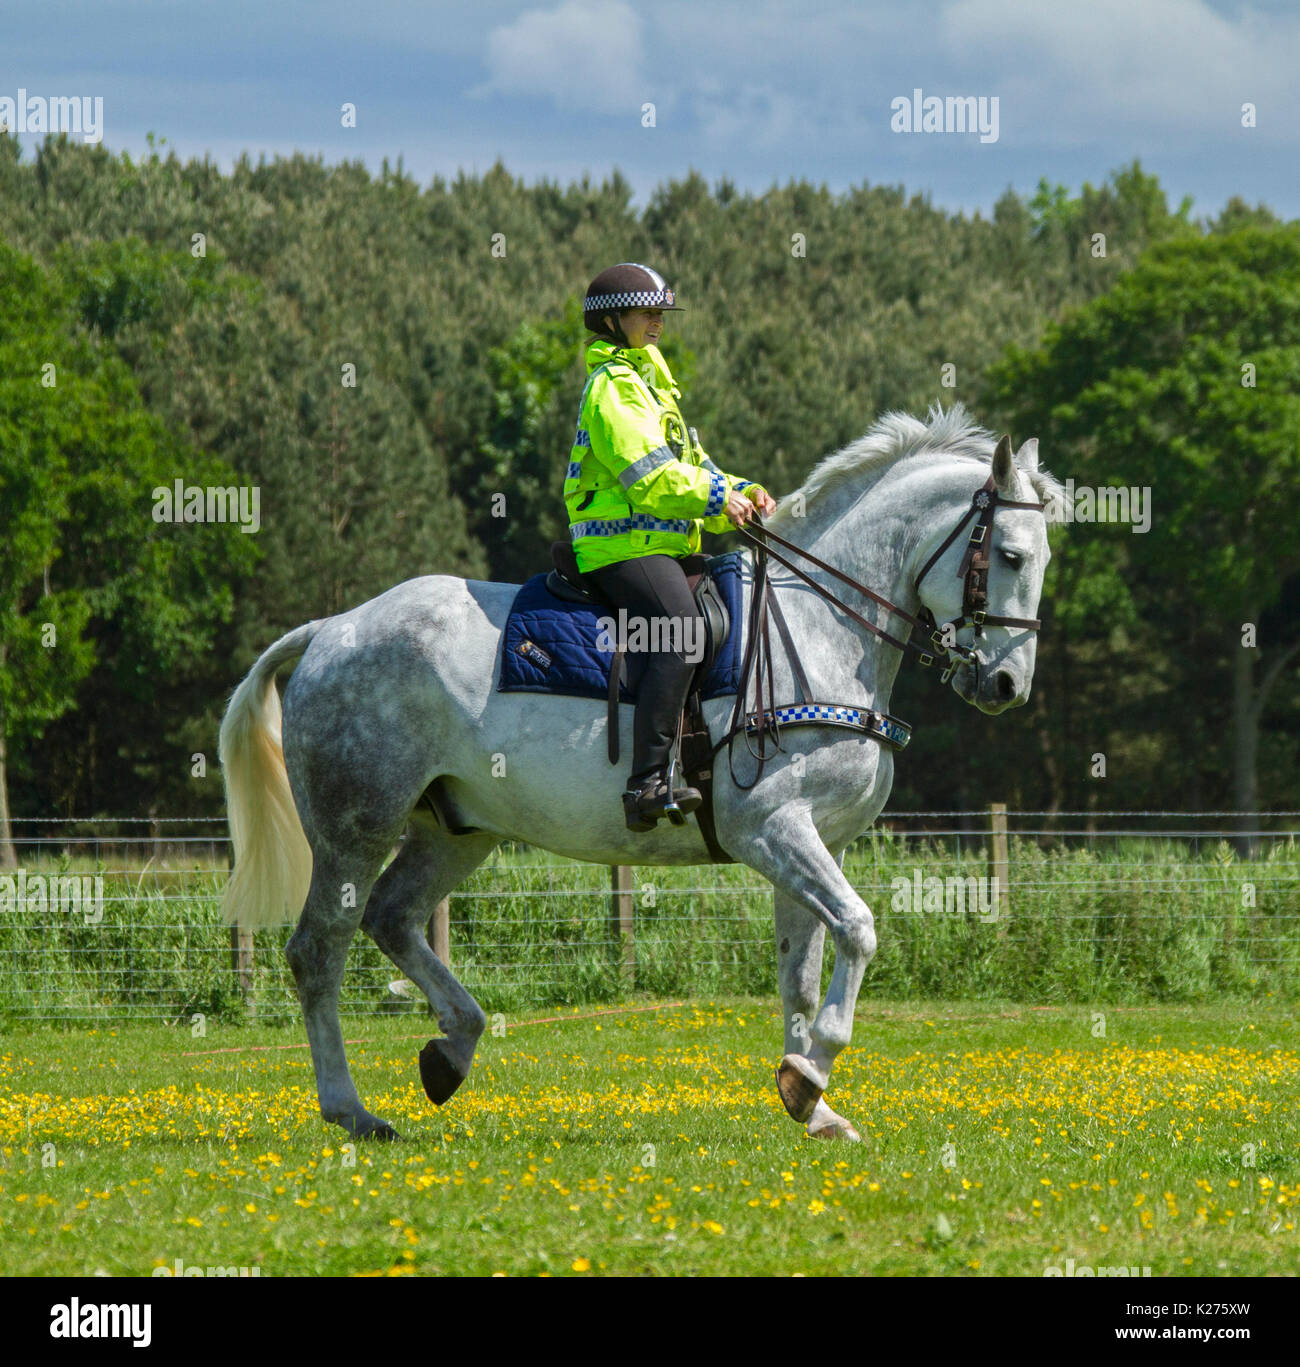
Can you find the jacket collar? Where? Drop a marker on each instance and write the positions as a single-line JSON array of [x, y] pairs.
[[599, 351]]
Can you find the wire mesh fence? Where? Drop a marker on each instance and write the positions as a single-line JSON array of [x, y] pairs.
[[118, 920]]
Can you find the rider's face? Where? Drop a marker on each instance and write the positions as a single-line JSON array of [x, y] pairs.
[[642, 326]]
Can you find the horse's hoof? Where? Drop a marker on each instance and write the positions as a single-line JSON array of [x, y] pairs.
[[825, 1124], [381, 1131], [367, 1126], [439, 1074], [798, 1087]]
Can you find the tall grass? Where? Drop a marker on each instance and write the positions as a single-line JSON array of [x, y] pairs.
[[1142, 920]]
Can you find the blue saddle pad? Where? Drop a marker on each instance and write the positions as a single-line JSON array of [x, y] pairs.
[[554, 646]]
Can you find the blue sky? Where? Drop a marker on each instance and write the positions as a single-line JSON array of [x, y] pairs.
[[757, 92]]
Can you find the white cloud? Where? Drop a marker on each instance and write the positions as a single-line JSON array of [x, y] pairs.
[[584, 55], [1166, 65]]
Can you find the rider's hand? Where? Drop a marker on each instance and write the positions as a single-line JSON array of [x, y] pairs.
[[765, 503], [738, 508]]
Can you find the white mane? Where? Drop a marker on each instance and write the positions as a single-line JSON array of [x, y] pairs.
[[898, 435]]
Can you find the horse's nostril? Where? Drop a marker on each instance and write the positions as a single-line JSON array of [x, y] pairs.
[[1006, 685]]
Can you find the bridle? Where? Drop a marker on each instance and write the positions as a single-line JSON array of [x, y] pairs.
[[940, 641], [974, 570]]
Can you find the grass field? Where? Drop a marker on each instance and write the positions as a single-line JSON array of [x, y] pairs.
[[652, 1142]]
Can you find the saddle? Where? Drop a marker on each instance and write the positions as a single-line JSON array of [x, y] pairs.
[[568, 583]]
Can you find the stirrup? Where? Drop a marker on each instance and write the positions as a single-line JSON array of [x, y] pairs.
[[681, 800], [642, 807]]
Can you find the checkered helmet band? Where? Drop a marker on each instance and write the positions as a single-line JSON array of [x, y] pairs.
[[630, 299], [629, 285]]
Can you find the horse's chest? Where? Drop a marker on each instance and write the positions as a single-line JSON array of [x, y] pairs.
[[846, 787]]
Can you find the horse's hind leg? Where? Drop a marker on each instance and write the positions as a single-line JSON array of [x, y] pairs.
[[428, 866], [800, 938], [317, 952]]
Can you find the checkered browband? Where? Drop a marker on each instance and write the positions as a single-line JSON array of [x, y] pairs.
[[630, 299]]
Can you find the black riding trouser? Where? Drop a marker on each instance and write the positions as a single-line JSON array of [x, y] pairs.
[[654, 588]]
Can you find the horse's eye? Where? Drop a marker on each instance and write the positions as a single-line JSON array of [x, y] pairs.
[[1013, 558]]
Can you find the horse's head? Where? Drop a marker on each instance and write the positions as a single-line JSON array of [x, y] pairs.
[[983, 586]]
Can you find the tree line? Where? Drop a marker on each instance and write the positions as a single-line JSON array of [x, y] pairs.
[[396, 369]]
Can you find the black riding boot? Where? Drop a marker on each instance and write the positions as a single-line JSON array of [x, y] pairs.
[[654, 586], [648, 798], [654, 730]]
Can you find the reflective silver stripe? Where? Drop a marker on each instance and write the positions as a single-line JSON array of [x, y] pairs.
[[638, 522], [639, 469], [708, 464]]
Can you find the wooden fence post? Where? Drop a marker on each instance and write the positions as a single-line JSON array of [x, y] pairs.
[[438, 931], [622, 925], [999, 864], [241, 964], [241, 950]]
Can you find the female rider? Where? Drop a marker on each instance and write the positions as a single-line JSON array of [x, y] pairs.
[[638, 489]]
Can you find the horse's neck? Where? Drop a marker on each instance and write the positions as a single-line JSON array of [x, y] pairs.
[[868, 536]]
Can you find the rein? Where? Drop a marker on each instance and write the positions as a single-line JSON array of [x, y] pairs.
[[941, 642]]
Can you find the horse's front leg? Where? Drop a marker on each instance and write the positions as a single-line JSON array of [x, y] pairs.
[[787, 850], [799, 940]]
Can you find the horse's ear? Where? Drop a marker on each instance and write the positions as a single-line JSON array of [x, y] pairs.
[[1027, 456], [1004, 467]]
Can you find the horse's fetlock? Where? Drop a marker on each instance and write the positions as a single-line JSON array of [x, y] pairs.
[[465, 1026], [474, 1021]]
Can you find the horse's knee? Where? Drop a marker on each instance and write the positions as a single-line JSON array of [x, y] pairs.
[[857, 933]]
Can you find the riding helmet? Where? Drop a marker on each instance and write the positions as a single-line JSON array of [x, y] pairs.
[[629, 285]]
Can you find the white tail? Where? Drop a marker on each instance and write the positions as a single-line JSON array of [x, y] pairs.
[[272, 857]]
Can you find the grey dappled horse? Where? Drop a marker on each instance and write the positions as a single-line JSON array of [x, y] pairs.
[[397, 698]]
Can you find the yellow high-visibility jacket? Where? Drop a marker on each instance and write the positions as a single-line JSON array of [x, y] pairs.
[[637, 483]]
